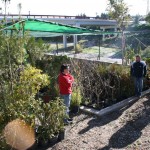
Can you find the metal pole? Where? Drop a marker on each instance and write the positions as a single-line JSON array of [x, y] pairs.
[[147, 11], [5, 13], [123, 46], [99, 48]]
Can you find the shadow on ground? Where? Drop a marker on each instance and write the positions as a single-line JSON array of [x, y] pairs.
[[131, 131], [61, 50], [117, 55]]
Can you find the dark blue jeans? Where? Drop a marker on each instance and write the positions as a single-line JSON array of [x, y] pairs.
[[138, 82]]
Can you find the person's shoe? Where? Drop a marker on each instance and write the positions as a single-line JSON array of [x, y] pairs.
[[70, 119], [139, 96], [67, 122]]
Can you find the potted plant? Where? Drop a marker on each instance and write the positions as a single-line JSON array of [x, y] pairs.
[[42, 136], [76, 100], [61, 135], [50, 122]]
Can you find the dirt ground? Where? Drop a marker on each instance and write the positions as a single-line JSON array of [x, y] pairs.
[[125, 129], [105, 57], [92, 53]]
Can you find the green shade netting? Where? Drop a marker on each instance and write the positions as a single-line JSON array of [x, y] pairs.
[[43, 28]]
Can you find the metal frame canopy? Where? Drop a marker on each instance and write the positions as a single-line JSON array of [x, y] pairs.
[[41, 28]]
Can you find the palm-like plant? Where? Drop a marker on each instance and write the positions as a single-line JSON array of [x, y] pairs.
[[19, 9], [6, 1]]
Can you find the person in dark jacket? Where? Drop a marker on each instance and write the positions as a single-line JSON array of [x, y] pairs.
[[65, 81], [138, 71]]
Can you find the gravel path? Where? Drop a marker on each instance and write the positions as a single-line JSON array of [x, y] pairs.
[[126, 129]]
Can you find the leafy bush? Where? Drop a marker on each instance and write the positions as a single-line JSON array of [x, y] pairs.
[[51, 119], [20, 84], [20, 102], [78, 49], [146, 52], [35, 49], [103, 84], [51, 66]]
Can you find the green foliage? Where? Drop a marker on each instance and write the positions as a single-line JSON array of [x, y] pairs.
[[99, 84], [51, 66], [78, 48], [119, 11], [18, 96], [51, 119], [142, 27], [148, 18], [11, 50], [76, 97], [20, 101], [119, 84], [148, 61], [129, 54], [103, 84], [31, 80], [101, 69], [20, 84], [35, 49], [146, 53], [17, 50], [136, 19], [147, 80]]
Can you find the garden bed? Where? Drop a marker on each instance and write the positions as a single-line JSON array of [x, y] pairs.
[[114, 107]]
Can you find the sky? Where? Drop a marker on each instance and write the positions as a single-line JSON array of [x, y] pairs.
[[70, 7]]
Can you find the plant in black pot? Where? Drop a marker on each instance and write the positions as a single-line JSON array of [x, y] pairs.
[[43, 136], [61, 135], [58, 111], [50, 122], [76, 100]]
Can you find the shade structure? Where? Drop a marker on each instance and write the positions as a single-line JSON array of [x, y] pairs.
[[41, 28]]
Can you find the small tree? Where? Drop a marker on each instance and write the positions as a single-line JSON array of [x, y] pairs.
[[119, 11], [19, 9], [6, 2], [129, 54], [136, 19]]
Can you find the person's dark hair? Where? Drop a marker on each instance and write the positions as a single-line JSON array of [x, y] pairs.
[[63, 67], [138, 56]]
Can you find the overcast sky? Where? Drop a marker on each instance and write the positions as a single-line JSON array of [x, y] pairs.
[[71, 7]]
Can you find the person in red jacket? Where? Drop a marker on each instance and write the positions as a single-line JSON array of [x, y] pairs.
[[65, 81]]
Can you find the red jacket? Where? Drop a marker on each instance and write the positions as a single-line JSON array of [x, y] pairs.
[[65, 83]]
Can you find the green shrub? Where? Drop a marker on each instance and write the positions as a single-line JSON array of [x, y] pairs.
[[76, 97], [78, 49], [51, 119], [146, 53], [51, 65]]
